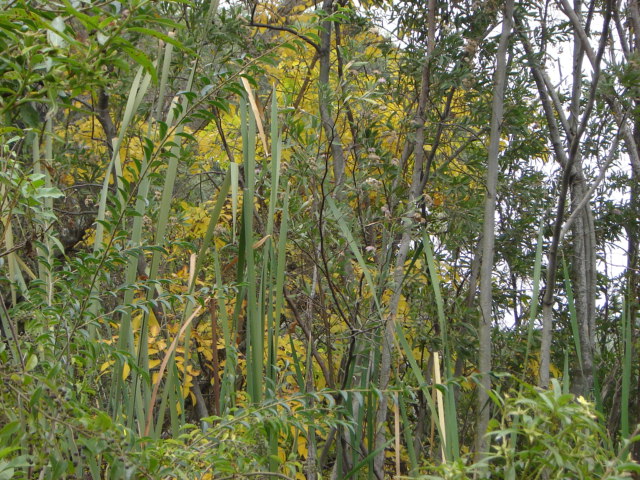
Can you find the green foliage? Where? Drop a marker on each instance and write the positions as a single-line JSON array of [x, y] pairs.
[[188, 291], [544, 434], [24, 193], [50, 430], [556, 434]]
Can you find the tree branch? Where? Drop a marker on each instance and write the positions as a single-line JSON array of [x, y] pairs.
[[281, 28]]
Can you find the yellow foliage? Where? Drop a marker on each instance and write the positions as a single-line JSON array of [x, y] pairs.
[[534, 367], [106, 367]]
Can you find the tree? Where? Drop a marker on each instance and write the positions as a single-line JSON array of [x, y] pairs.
[[488, 233]]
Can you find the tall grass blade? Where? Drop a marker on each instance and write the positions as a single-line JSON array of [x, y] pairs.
[[355, 249], [234, 198], [125, 335], [161, 230], [575, 330], [626, 371], [408, 435], [255, 326], [45, 256], [533, 308], [417, 372], [440, 402], [566, 382], [104, 193], [256, 113], [227, 387], [450, 417]]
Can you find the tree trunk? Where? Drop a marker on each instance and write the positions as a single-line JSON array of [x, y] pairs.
[[488, 236], [633, 227], [584, 260], [583, 269], [324, 100], [388, 338], [583, 244]]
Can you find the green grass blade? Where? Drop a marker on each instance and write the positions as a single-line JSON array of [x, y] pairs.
[[408, 435], [161, 229], [442, 319], [626, 372], [450, 416], [566, 383], [338, 217], [255, 327], [104, 193], [234, 198], [533, 308], [417, 372], [572, 311]]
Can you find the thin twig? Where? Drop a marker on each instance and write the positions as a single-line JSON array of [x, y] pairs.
[[287, 29]]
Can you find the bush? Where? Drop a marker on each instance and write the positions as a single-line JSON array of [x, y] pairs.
[[545, 434]]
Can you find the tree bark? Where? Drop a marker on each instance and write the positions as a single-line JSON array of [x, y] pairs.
[[324, 98], [633, 225], [573, 180], [583, 244], [488, 235]]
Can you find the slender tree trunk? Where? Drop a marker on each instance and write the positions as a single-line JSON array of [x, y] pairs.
[[488, 235], [583, 269], [573, 178], [633, 225], [415, 191], [324, 92], [325, 96], [633, 279], [583, 244]]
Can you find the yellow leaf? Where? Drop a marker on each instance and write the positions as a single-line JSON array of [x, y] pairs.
[[154, 330], [67, 179], [154, 327], [302, 446], [135, 321], [125, 371], [106, 365], [207, 353]]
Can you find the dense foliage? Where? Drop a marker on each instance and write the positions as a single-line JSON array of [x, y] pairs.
[[335, 239]]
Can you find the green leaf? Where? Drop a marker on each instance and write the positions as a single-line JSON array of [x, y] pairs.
[[6, 473], [141, 59], [56, 40], [162, 36], [50, 192], [9, 429], [31, 363], [29, 115], [7, 450]]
